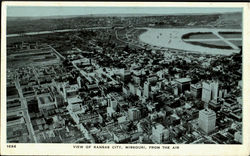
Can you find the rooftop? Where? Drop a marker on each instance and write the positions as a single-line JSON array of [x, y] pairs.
[[183, 80], [207, 111]]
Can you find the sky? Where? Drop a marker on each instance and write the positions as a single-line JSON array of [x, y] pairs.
[[30, 11]]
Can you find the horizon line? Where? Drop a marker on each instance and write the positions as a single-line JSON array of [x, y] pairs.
[[129, 14]]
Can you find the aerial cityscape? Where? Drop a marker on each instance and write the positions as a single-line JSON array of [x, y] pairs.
[[125, 78]]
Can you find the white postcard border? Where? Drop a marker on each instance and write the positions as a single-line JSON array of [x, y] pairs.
[[180, 149]]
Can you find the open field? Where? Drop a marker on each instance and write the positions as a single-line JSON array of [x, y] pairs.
[[33, 56], [173, 38]]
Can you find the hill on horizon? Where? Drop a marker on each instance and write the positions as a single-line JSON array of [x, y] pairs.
[[12, 18]]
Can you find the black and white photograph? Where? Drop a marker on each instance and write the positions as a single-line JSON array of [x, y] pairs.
[[97, 75]]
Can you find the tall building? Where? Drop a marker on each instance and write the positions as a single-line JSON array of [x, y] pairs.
[[183, 84], [134, 114], [146, 89], [79, 81], [112, 103], [215, 88], [196, 90], [139, 91], [238, 137], [207, 119], [110, 111], [131, 88], [159, 133], [175, 89], [222, 93], [209, 91], [125, 74]]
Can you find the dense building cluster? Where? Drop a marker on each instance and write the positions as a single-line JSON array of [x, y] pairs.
[[108, 91]]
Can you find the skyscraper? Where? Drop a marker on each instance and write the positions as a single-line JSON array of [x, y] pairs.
[[159, 133], [196, 90], [183, 84], [207, 119], [79, 82], [146, 89], [134, 114], [209, 91]]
